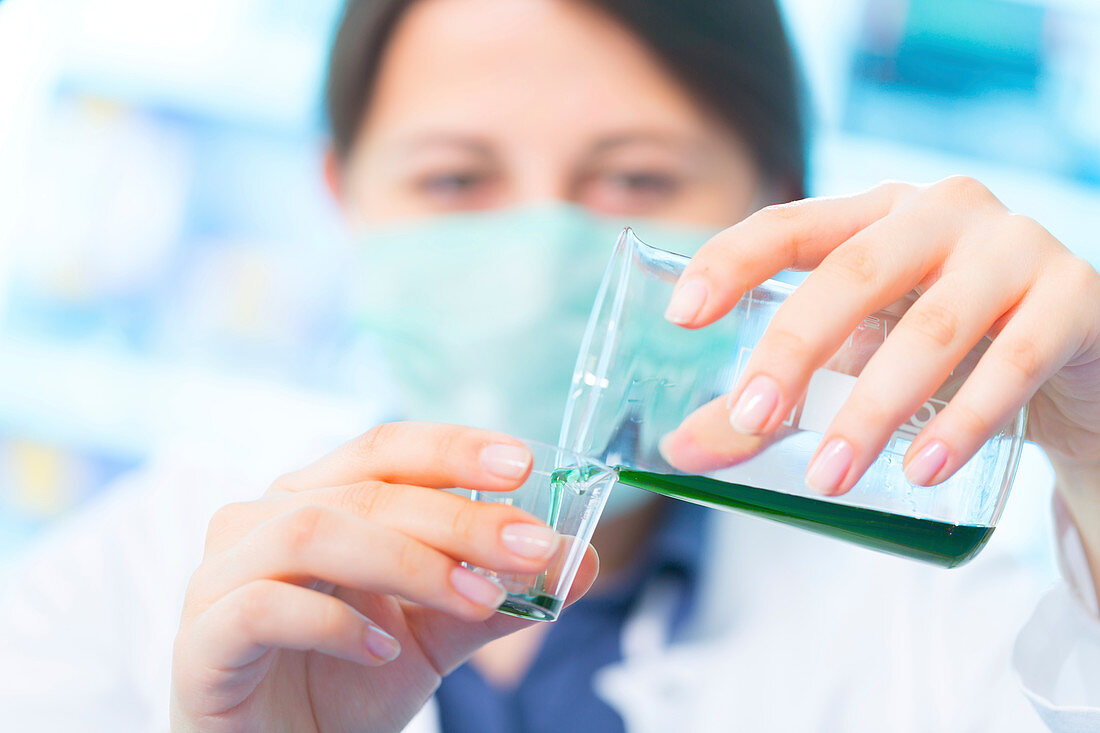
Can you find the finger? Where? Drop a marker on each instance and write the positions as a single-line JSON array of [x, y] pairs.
[[314, 543], [451, 641], [918, 356], [428, 454], [801, 235], [488, 534], [872, 270], [1029, 349], [797, 235], [267, 614], [705, 441]]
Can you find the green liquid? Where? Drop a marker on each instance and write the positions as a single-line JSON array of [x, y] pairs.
[[575, 479], [537, 607], [940, 543]]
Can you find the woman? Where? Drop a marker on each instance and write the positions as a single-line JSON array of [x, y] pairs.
[[336, 601]]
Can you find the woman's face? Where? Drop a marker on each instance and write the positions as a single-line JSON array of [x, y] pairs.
[[481, 104]]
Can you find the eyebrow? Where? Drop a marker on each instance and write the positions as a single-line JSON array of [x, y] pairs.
[[678, 143], [468, 143]]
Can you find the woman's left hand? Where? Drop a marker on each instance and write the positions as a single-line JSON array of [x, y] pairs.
[[978, 268]]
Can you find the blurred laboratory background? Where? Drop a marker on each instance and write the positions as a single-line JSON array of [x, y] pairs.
[[172, 271]]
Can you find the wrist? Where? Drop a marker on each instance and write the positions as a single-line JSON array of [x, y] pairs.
[[1077, 481]]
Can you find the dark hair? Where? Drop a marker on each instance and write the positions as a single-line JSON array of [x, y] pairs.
[[733, 54]]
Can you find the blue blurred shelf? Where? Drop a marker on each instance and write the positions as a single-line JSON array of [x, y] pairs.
[[253, 64], [844, 162]]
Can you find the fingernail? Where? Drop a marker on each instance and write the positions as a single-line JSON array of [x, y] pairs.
[[381, 644], [830, 467], [686, 302], [476, 588], [755, 405], [506, 461], [529, 540], [927, 463]]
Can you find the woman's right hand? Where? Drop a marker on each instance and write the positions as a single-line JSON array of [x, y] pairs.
[[282, 627]]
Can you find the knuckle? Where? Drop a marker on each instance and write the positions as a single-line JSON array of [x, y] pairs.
[[1024, 358], [894, 186], [226, 517], [717, 263], [868, 411], [303, 526], [368, 499], [495, 514], [1082, 277], [375, 440], [855, 265], [226, 524], [786, 346], [964, 189], [466, 521], [1023, 229], [893, 190], [447, 447], [410, 559], [971, 420], [282, 484], [252, 605], [935, 322], [331, 620], [794, 218], [204, 588], [785, 212], [196, 593]]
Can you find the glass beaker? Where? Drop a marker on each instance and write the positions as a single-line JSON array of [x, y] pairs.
[[568, 492], [639, 376]]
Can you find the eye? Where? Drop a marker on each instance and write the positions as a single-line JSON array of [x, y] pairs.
[[456, 188], [645, 182], [449, 184], [631, 191]]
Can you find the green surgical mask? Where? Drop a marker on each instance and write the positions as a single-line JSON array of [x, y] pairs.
[[479, 316]]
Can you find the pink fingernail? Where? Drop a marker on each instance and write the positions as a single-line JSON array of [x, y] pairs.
[[686, 302], [830, 467], [381, 644], [755, 405], [505, 461], [529, 540], [476, 588], [927, 463]]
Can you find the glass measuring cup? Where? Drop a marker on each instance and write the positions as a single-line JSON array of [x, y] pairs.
[[638, 377], [568, 492]]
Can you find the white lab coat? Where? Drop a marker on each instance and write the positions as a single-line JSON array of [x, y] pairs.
[[794, 632]]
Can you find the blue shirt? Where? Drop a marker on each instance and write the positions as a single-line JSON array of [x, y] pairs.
[[556, 694]]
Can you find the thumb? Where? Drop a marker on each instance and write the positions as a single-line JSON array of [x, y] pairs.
[[705, 441]]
